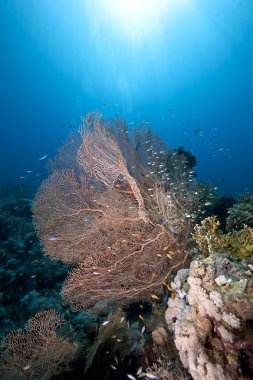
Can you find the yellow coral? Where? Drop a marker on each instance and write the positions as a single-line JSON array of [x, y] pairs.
[[240, 243], [208, 236], [210, 239]]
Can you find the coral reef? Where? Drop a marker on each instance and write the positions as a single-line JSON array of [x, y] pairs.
[[112, 216], [118, 208], [210, 239], [29, 281], [36, 281], [166, 370], [36, 352], [211, 317], [240, 214]]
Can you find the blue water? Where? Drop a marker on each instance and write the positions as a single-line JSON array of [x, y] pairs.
[[186, 65]]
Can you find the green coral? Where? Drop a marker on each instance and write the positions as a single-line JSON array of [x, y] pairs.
[[210, 239], [240, 243], [240, 214]]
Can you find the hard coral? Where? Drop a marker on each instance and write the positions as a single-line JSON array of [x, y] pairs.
[[212, 323], [208, 236], [210, 239], [240, 214]]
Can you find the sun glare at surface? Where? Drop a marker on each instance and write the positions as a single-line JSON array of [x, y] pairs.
[[137, 18]]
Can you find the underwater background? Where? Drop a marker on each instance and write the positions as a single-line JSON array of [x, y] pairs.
[[116, 232], [185, 66]]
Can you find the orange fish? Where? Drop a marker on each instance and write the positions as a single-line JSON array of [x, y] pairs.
[[167, 286], [154, 296], [174, 294]]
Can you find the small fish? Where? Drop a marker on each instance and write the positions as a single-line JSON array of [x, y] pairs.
[[105, 322], [26, 367], [141, 317], [159, 255], [122, 319], [169, 256], [131, 376], [113, 367], [143, 329], [22, 177], [96, 273], [167, 286], [114, 336], [150, 375], [174, 294], [33, 276], [139, 371], [166, 247], [119, 340], [43, 157], [53, 238], [208, 203], [28, 171], [154, 296]]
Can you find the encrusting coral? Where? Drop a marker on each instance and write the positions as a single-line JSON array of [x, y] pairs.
[[211, 317]]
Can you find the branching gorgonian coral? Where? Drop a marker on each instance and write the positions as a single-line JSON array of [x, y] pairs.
[[111, 212]]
